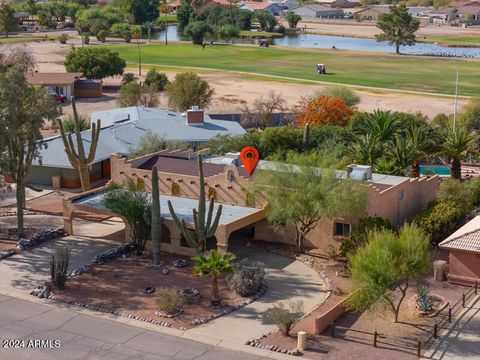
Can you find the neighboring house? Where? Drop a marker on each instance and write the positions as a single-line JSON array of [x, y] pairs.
[[318, 12], [337, 3], [122, 130], [58, 83], [255, 7], [442, 16], [394, 198], [286, 4], [466, 3], [464, 254], [371, 13], [469, 12]]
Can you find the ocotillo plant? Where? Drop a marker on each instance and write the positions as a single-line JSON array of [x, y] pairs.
[[203, 230], [59, 267], [77, 157], [306, 136], [156, 223]]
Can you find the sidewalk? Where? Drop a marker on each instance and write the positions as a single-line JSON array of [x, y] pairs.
[[462, 341]]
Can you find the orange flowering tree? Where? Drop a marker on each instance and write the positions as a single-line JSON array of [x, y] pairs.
[[323, 110]]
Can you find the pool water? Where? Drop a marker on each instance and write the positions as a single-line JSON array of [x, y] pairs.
[[437, 170]]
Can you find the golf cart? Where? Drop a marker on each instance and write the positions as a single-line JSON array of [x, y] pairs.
[[321, 69], [263, 43]]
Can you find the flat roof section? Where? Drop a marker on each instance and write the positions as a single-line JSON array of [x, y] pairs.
[[183, 207]]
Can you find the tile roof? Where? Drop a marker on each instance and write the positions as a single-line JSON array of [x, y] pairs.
[[52, 78], [466, 238], [254, 5], [123, 128]]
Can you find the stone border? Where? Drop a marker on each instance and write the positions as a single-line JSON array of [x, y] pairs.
[[32, 241], [256, 343], [124, 250]]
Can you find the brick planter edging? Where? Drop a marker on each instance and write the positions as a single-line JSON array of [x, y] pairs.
[[34, 240], [123, 250]]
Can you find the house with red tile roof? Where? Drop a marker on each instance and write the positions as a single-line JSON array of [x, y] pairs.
[[464, 254]]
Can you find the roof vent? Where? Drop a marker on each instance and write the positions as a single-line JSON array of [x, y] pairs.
[[359, 172]]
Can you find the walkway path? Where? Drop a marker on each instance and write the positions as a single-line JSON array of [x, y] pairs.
[[463, 340], [84, 337]]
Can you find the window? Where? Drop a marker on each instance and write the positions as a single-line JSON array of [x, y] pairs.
[[341, 229]]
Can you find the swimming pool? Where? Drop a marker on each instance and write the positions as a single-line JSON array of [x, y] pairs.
[[435, 169]]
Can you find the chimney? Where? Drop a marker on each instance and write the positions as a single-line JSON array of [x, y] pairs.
[[194, 116]]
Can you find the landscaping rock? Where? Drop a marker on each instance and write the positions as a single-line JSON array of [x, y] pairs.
[[180, 263], [295, 352], [148, 290], [165, 271], [6, 254]]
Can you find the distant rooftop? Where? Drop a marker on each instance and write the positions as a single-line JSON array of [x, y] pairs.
[[38, 78]]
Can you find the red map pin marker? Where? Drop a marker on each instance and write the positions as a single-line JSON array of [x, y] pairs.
[[249, 156]]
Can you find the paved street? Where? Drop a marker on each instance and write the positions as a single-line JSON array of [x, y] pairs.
[[462, 341], [84, 337]]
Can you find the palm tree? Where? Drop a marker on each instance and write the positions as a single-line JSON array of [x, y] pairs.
[[367, 149], [388, 167], [421, 141], [137, 33], [383, 125], [214, 265], [401, 149], [457, 143]]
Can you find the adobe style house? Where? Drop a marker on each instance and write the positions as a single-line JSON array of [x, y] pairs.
[[392, 197], [122, 131], [464, 254]]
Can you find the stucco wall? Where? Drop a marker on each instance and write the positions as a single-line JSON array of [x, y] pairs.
[[42, 175], [229, 192], [464, 267]]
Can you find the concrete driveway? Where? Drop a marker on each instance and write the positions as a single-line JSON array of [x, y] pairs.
[[22, 272], [463, 340]]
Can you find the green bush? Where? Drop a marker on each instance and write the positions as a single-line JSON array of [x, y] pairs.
[[168, 300], [102, 35], [440, 220], [62, 39], [128, 78], [189, 89], [285, 318], [69, 123], [348, 96], [156, 79], [86, 39], [360, 233]]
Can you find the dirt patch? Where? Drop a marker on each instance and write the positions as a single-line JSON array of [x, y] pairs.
[[118, 285]]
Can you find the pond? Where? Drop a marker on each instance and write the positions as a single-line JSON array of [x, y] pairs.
[[344, 43]]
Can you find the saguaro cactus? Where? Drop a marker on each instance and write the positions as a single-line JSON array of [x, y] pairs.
[[59, 267], [77, 157], [156, 222], [197, 238]]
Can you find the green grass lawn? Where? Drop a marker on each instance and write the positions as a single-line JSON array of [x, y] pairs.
[[168, 17], [19, 39], [411, 73], [454, 40]]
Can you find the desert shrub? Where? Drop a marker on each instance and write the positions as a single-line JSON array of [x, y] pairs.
[[62, 39], [284, 317], [359, 234], [152, 142], [69, 123], [86, 39], [348, 96], [127, 78], [247, 277], [440, 220], [168, 300], [102, 35], [156, 80], [424, 300]]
